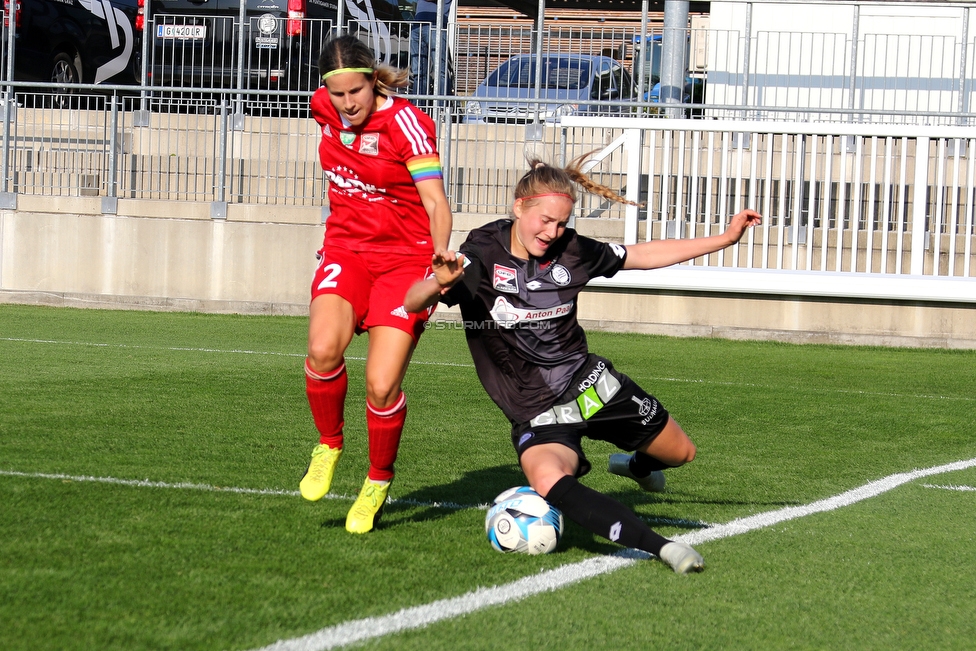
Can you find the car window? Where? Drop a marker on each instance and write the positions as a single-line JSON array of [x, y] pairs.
[[603, 86], [567, 74], [558, 73], [624, 81], [517, 73]]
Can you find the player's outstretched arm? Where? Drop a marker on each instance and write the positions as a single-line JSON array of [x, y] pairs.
[[448, 268], [664, 253]]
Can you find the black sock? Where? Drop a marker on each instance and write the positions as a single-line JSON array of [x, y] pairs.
[[603, 515], [644, 464]]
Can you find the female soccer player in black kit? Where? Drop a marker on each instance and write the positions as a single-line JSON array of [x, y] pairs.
[[517, 283]]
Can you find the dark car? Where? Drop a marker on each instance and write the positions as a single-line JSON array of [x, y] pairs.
[[195, 43], [77, 41]]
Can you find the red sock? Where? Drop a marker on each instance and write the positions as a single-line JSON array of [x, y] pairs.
[[327, 397], [385, 426]]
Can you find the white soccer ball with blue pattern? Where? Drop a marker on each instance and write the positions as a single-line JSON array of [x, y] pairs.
[[522, 521]]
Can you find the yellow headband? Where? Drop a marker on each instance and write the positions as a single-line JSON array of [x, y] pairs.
[[365, 71]]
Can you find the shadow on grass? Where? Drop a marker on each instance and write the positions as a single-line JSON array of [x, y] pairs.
[[480, 487], [474, 488]]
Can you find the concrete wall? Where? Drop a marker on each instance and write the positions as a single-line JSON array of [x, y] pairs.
[[173, 256]]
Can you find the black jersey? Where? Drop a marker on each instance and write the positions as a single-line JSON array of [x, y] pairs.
[[520, 315]]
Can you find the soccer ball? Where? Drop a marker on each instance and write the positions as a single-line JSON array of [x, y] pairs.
[[522, 521]]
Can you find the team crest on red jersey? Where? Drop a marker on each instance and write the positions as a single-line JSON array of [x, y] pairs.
[[347, 138], [505, 279], [369, 144]]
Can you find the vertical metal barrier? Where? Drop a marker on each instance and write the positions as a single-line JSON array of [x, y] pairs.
[[962, 104], [7, 198], [218, 209], [110, 204]]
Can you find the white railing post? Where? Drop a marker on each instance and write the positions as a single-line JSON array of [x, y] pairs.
[[919, 204], [632, 145]]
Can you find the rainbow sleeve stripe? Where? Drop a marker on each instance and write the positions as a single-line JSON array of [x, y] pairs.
[[424, 168]]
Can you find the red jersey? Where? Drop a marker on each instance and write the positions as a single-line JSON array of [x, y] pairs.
[[373, 171]]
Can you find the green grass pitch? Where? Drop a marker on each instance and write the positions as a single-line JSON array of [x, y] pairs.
[[149, 466]]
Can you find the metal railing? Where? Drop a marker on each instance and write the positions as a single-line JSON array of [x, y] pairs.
[[852, 194], [856, 202]]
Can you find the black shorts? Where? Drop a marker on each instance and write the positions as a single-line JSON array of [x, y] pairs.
[[600, 403]]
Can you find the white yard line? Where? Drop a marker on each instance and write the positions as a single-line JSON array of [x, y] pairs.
[[146, 483], [458, 365], [419, 616], [950, 487]]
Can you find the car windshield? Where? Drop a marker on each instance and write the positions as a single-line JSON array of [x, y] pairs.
[[557, 74]]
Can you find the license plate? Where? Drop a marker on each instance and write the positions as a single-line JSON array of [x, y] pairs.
[[181, 31]]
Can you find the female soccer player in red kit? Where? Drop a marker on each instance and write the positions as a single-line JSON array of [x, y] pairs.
[[389, 215]]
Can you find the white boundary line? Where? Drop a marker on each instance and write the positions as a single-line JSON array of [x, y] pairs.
[[458, 365], [147, 483], [951, 487], [203, 350], [420, 616]]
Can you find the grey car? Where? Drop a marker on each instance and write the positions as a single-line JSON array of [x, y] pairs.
[[571, 81]]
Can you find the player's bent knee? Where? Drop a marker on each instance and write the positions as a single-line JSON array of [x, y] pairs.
[[381, 394], [683, 454], [324, 356], [544, 483]]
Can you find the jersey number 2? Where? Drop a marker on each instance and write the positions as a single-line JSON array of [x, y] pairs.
[[331, 272]]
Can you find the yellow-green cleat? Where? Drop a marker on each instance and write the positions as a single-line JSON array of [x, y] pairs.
[[318, 478], [368, 507]]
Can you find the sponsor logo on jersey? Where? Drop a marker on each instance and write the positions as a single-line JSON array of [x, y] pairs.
[[619, 250], [592, 377], [560, 275], [643, 406], [647, 409], [347, 138], [327, 131], [369, 143], [350, 185], [533, 285], [508, 316], [589, 403], [505, 279], [400, 312], [596, 390]]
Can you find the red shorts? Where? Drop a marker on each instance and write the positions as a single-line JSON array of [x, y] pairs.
[[375, 284]]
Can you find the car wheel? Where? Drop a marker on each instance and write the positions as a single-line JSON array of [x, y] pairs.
[[65, 71]]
